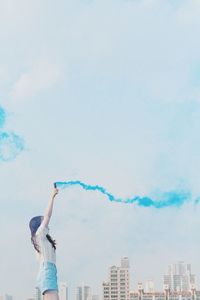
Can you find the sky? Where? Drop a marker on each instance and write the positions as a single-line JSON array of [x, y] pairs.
[[106, 92]]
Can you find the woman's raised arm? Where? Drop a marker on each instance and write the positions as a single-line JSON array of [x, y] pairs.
[[49, 209]]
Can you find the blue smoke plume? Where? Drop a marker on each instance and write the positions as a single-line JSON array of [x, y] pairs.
[[10, 143], [2, 117], [175, 199]]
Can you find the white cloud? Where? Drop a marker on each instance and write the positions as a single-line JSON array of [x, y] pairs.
[[41, 76]]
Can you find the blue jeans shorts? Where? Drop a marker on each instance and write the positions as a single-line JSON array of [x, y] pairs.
[[47, 277]]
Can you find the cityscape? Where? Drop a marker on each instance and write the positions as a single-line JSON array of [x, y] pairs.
[[100, 142], [179, 283]]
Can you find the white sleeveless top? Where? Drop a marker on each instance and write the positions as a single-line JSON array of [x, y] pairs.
[[47, 252]]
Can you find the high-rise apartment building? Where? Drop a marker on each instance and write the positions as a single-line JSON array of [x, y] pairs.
[[83, 292], [179, 277], [63, 291], [106, 290], [117, 287]]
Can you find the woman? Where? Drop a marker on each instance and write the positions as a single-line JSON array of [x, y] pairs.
[[45, 248]]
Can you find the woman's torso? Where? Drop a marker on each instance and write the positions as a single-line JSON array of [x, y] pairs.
[[47, 252]]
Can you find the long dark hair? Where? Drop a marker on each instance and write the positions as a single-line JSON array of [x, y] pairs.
[[34, 224]]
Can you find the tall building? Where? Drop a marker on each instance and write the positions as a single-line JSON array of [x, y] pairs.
[[117, 287], [83, 292], [106, 290], [63, 291], [38, 295], [179, 277]]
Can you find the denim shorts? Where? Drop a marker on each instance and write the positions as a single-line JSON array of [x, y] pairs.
[[47, 277]]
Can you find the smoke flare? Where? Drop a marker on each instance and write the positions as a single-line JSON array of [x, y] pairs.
[[167, 199]]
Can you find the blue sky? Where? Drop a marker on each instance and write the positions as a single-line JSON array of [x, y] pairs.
[[106, 92]]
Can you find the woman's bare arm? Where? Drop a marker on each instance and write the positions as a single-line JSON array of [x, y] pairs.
[[49, 209]]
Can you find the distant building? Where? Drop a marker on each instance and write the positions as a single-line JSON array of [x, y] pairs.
[[63, 291], [38, 295], [83, 292], [6, 297], [179, 277], [150, 286], [140, 294], [117, 287]]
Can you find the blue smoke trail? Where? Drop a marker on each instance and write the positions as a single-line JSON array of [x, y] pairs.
[[2, 117], [10, 143], [167, 199]]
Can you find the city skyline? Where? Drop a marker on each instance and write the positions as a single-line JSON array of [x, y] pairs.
[[179, 277], [120, 275]]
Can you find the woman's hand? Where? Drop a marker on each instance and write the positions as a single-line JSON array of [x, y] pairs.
[[55, 192]]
